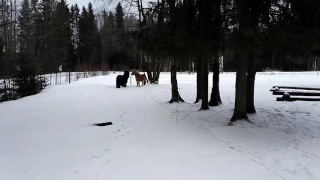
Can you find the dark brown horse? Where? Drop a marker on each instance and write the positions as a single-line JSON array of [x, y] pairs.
[[139, 77]]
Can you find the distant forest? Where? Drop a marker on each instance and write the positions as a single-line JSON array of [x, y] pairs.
[[48, 34]]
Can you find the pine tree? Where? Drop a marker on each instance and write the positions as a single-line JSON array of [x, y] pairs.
[[88, 35], [108, 37], [44, 29], [83, 42], [61, 40], [34, 39], [25, 28], [103, 33], [94, 40], [74, 18], [26, 78], [119, 25]]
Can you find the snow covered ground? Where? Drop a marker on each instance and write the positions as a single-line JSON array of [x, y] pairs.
[[53, 79], [50, 136]]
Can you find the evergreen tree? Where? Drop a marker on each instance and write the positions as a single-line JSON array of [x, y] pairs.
[[25, 28], [108, 38], [45, 29], [111, 38], [62, 38], [34, 39], [119, 25], [74, 18], [26, 78], [104, 38], [94, 39], [88, 36], [83, 42], [26, 75]]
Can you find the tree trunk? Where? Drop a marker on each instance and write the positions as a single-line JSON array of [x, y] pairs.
[[215, 99], [153, 70], [189, 65], [146, 67], [199, 76], [149, 75], [174, 84], [240, 111], [250, 83], [205, 104], [158, 72]]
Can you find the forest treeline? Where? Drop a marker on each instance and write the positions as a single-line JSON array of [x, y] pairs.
[[245, 36]]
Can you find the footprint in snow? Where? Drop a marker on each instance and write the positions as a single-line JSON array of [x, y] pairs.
[[107, 150], [95, 156], [76, 171], [106, 163]]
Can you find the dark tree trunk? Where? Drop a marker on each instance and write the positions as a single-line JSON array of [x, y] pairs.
[[146, 67], [240, 111], [215, 99], [158, 72], [199, 77], [240, 108], [189, 65], [250, 83], [150, 75], [174, 84], [254, 19], [154, 70], [205, 104], [219, 97]]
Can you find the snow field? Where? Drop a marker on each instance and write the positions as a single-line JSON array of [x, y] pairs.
[[49, 135]]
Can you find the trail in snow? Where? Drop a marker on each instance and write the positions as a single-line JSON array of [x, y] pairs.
[[50, 135]]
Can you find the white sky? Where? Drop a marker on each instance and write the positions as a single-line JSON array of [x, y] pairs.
[[79, 2], [96, 3], [108, 5]]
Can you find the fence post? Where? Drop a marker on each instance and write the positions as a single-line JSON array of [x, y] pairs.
[[69, 77]]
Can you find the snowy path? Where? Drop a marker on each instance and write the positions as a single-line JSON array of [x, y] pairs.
[[49, 136]]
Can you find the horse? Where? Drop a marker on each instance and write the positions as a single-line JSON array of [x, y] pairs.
[[139, 77], [122, 79]]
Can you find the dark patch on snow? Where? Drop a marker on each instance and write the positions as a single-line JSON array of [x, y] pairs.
[[103, 124]]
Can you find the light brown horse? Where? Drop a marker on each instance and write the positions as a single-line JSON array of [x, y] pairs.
[[139, 77]]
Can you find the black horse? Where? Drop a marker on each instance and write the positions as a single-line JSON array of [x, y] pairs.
[[122, 79]]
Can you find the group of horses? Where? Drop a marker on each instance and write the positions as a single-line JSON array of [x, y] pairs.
[[123, 79]]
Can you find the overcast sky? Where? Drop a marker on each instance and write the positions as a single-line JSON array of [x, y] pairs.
[[79, 2], [95, 3], [108, 5]]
